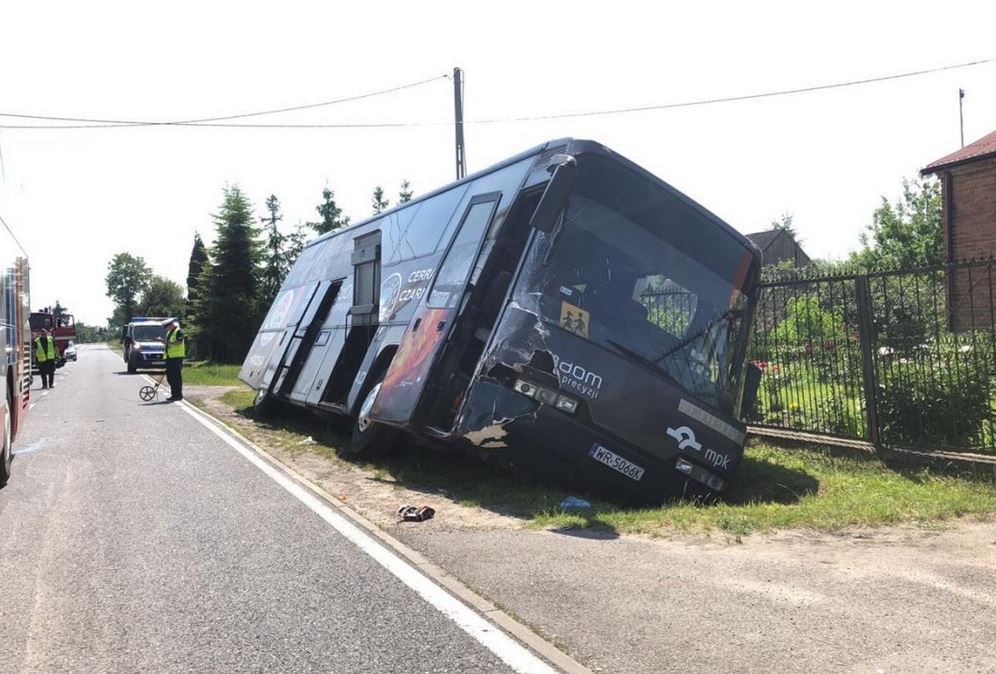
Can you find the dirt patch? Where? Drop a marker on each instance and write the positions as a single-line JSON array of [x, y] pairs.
[[373, 493]]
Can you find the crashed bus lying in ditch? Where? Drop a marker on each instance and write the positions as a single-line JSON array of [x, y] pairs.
[[564, 311]]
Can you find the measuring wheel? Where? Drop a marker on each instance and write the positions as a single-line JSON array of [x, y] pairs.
[[147, 393]]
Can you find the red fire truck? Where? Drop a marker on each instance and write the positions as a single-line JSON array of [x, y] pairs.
[[15, 343], [61, 325]]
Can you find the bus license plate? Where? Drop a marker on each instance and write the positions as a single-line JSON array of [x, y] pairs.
[[615, 462]]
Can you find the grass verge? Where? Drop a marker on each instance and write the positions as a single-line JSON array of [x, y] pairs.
[[776, 488], [206, 373]]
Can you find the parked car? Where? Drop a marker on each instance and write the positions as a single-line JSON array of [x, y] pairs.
[[69, 353]]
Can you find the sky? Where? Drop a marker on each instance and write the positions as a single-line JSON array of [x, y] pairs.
[[76, 197]]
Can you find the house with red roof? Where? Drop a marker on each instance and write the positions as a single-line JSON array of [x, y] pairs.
[[968, 189], [968, 182]]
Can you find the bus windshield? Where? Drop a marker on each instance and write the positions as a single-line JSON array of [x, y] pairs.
[[648, 276]]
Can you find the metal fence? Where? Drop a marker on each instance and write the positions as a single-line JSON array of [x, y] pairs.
[[900, 358]]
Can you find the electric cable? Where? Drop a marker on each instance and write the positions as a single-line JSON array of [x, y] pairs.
[[216, 123], [13, 236], [204, 120]]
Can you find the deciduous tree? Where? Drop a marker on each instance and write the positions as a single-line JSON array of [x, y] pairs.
[[162, 297], [907, 233], [127, 278]]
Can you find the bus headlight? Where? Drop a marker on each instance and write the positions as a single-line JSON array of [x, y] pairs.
[[547, 396], [566, 404], [525, 388]]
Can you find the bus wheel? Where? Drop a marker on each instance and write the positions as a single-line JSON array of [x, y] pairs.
[[264, 404], [369, 437], [7, 456]]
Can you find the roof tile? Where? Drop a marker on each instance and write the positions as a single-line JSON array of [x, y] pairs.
[[980, 149]]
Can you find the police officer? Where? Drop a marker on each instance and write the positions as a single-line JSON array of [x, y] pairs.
[[46, 353], [176, 351]]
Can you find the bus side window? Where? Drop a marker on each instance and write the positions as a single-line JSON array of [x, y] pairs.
[[366, 269]]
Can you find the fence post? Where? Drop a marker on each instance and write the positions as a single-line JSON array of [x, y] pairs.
[[865, 328]]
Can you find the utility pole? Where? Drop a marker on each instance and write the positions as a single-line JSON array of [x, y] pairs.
[[461, 155], [961, 116]]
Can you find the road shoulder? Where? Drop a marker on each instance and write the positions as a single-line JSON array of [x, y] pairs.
[[689, 601]]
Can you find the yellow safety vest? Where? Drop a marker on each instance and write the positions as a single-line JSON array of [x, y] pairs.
[[45, 354], [176, 344]]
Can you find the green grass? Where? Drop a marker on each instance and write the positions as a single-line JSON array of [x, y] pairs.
[[775, 489], [805, 489], [238, 400], [205, 373]]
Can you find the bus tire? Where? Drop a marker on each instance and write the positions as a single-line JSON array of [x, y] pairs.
[[370, 438], [7, 456], [264, 404]]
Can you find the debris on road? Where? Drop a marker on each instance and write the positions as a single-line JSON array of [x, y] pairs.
[[410, 513], [574, 503]]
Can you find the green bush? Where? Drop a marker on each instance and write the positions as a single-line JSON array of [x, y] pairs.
[[836, 416], [937, 398]]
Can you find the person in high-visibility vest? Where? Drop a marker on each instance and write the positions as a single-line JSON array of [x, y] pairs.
[[176, 351], [46, 353]]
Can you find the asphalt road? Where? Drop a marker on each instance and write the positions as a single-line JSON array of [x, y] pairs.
[[870, 602], [134, 539]]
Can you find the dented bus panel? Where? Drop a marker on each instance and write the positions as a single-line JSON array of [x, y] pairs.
[[590, 327]]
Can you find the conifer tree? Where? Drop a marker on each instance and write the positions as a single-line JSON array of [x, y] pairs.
[[198, 258], [405, 195], [332, 217], [378, 201], [277, 264], [227, 311]]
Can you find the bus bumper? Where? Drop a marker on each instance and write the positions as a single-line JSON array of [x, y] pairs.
[[547, 443]]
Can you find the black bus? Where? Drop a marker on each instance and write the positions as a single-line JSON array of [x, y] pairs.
[[563, 311]]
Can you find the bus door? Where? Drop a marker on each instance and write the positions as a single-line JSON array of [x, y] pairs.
[[265, 361], [304, 352], [283, 354], [411, 369]]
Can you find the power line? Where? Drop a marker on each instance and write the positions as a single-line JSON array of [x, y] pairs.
[[747, 97], [13, 236], [506, 120], [204, 120]]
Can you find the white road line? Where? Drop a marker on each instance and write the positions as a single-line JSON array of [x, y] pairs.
[[490, 636]]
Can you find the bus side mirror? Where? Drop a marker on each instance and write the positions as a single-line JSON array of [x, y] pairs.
[[565, 170], [752, 382]]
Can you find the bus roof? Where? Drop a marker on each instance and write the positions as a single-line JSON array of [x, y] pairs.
[[576, 145], [473, 176]]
